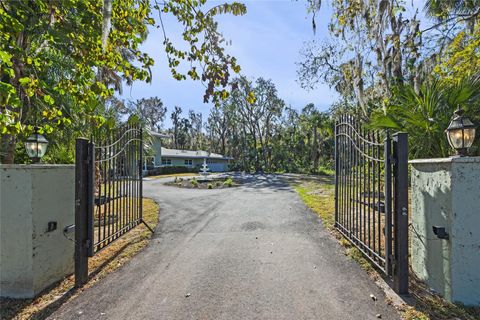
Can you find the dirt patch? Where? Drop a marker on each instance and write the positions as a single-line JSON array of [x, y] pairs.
[[320, 193]]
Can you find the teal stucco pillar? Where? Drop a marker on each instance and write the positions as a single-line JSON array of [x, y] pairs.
[[446, 194]]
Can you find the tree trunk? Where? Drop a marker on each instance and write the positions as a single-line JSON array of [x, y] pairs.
[[314, 150], [107, 21], [7, 149], [262, 147]]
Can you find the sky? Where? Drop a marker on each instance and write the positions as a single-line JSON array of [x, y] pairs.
[[266, 42]]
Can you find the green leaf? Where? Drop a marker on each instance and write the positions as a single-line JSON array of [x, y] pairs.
[[382, 121], [48, 99], [24, 81], [5, 58]]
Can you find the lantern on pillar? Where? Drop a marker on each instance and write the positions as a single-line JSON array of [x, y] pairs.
[[36, 146], [460, 133]]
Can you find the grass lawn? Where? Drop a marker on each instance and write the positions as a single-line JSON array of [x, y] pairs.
[[318, 194], [104, 262]]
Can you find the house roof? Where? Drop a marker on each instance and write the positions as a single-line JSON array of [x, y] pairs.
[[174, 153], [158, 134]]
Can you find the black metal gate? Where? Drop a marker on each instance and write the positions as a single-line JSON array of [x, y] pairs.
[[371, 195], [108, 191]]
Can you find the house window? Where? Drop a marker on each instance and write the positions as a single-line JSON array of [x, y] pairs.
[[188, 162], [166, 162]]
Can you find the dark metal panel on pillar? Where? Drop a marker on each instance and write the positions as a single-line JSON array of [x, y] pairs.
[[400, 154], [81, 195], [388, 204]]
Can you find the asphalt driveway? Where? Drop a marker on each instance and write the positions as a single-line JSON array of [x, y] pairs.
[[251, 252]]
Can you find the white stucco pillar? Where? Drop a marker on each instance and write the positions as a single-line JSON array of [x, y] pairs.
[[446, 193], [34, 253]]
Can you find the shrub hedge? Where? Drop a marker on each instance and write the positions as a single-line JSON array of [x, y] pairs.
[[170, 170]]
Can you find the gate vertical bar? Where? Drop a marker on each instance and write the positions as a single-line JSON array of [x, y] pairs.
[[129, 176], [136, 167], [336, 173], [376, 201], [354, 181], [341, 155], [140, 172], [111, 195], [364, 188], [350, 180], [344, 173], [369, 153], [400, 153], [90, 197], [102, 185], [388, 204], [81, 195]]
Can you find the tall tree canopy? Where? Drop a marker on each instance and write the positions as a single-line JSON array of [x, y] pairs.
[[389, 66], [261, 133], [150, 111], [377, 44], [61, 60]]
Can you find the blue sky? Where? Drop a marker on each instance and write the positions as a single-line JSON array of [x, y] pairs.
[[266, 41]]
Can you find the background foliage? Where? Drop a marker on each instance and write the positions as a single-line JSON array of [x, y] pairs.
[[394, 69], [393, 65], [61, 61]]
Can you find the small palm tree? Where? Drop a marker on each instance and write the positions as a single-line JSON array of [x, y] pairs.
[[426, 113]]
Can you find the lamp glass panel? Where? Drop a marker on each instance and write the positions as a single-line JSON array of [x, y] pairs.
[[31, 148], [469, 136], [456, 138], [42, 148]]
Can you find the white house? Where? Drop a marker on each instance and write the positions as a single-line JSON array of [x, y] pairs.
[[163, 157]]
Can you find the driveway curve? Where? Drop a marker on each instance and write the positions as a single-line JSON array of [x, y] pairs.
[[249, 252]]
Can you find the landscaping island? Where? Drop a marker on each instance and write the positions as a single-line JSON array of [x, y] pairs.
[[204, 183]]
